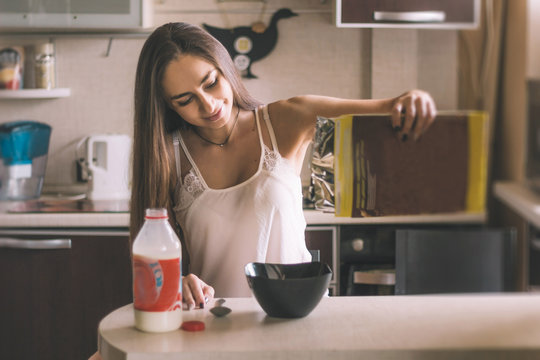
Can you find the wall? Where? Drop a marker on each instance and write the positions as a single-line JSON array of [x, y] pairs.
[[100, 101], [533, 45], [311, 56]]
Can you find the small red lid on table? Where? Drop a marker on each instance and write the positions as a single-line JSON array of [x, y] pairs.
[[193, 326]]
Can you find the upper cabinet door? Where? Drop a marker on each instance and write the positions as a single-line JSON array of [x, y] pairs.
[[15, 13], [441, 14], [75, 14]]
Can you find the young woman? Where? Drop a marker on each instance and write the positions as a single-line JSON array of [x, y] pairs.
[[226, 166]]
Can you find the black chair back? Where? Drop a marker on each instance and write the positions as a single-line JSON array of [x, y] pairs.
[[455, 260]]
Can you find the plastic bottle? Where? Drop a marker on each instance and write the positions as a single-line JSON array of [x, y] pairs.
[[157, 275], [44, 66]]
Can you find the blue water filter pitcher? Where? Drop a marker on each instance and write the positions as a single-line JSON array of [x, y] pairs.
[[24, 146]]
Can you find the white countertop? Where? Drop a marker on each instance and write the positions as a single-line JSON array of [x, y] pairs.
[[121, 220], [473, 326], [60, 220], [521, 199]]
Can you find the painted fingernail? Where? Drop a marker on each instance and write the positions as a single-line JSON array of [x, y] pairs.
[[404, 137], [206, 299], [201, 305]]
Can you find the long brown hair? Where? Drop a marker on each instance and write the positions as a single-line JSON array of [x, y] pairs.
[[154, 172]]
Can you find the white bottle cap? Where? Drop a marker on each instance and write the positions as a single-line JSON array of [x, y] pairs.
[[154, 214]]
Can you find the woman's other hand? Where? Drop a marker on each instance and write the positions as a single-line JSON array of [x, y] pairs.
[[412, 114], [195, 292]]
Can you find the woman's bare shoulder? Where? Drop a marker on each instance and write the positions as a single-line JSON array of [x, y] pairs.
[[293, 124], [294, 116]]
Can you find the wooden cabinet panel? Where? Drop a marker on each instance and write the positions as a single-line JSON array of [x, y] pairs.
[[53, 300], [363, 13]]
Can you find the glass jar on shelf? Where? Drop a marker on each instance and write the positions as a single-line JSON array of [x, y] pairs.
[[45, 66]]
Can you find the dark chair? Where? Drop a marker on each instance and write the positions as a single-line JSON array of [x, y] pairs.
[[455, 261]]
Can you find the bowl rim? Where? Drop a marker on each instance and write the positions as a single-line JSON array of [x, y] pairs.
[[325, 266]]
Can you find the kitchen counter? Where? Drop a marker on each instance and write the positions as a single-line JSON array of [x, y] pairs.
[[472, 326], [60, 220], [121, 219], [521, 199]]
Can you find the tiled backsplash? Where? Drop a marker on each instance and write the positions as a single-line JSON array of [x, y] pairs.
[[311, 56]]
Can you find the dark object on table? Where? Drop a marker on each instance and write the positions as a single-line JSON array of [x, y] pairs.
[[193, 326], [288, 290], [246, 45], [219, 310]]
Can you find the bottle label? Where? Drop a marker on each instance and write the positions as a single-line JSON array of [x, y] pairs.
[[157, 284]]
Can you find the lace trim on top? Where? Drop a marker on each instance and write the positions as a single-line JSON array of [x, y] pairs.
[[192, 187], [271, 158]]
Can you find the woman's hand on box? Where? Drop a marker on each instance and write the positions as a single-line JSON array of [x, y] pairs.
[[413, 113]]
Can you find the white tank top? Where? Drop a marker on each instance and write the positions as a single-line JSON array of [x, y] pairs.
[[260, 219]]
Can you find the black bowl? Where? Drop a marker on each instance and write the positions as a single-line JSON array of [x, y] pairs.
[[288, 290]]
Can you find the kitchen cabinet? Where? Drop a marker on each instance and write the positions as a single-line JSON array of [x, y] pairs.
[[75, 14], [441, 14], [56, 286]]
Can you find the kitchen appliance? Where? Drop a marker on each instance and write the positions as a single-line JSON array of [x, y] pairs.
[[371, 280], [105, 161], [367, 258], [24, 146]]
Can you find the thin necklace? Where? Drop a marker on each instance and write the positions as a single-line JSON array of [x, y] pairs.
[[228, 136]]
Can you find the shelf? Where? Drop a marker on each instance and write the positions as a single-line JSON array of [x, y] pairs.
[[315, 217], [35, 93]]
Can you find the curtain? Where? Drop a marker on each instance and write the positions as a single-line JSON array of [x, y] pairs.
[[480, 61]]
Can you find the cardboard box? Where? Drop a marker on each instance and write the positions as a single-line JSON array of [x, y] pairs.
[[377, 174]]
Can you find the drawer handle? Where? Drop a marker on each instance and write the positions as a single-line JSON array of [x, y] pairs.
[[38, 244], [374, 277], [410, 16]]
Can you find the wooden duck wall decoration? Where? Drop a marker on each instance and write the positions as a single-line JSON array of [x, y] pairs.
[[247, 44]]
